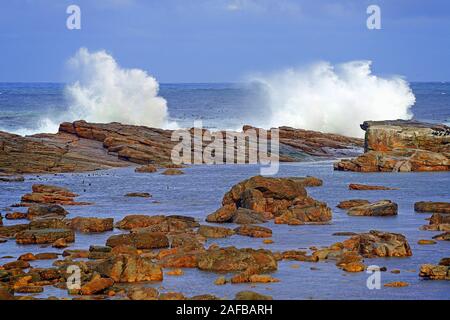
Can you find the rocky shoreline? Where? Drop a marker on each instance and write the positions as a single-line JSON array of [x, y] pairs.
[[82, 146], [146, 249]]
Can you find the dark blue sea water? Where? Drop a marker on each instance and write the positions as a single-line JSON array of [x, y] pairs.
[[224, 106]]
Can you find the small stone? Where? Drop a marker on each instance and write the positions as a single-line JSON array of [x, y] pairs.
[[220, 281], [426, 242], [175, 272], [396, 284]]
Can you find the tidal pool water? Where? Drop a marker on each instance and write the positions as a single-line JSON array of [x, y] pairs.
[[199, 192]]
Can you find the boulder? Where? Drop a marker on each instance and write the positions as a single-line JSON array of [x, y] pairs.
[[91, 225], [429, 206], [439, 222], [443, 236], [379, 208], [140, 240], [44, 236], [157, 223], [96, 285], [306, 210], [233, 259], [215, 232], [18, 264], [223, 214], [347, 204], [434, 272], [40, 211], [379, 244], [254, 231], [129, 268]]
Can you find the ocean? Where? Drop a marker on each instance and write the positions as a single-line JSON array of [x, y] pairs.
[[217, 105]]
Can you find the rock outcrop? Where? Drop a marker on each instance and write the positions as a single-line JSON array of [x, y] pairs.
[[401, 146], [259, 199], [82, 146]]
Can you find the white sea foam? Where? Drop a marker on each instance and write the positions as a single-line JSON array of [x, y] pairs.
[[335, 99], [104, 92]]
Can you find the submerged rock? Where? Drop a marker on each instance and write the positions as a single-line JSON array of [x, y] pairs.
[[138, 195], [172, 172]]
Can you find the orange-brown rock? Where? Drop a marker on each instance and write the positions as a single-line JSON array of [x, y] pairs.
[[16, 215], [46, 210], [45, 194], [357, 186], [347, 204], [283, 198], [233, 259], [254, 231], [172, 172], [430, 206], [354, 267], [129, 268], [140, 240], [434, 272], [215, 232], [379, 244], [91, 225], [82, 146], [149, 168], [44, 236], [96, 285], [396, 284], [379, 208], [19, 264], [157, 223], [402, 146], [438, 222]]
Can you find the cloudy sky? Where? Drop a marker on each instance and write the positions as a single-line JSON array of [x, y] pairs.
[[224, 40]]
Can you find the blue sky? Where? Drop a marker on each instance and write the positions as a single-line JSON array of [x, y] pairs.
[[223, 40]]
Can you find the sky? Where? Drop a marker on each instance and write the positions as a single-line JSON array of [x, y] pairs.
[[225, 40]]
